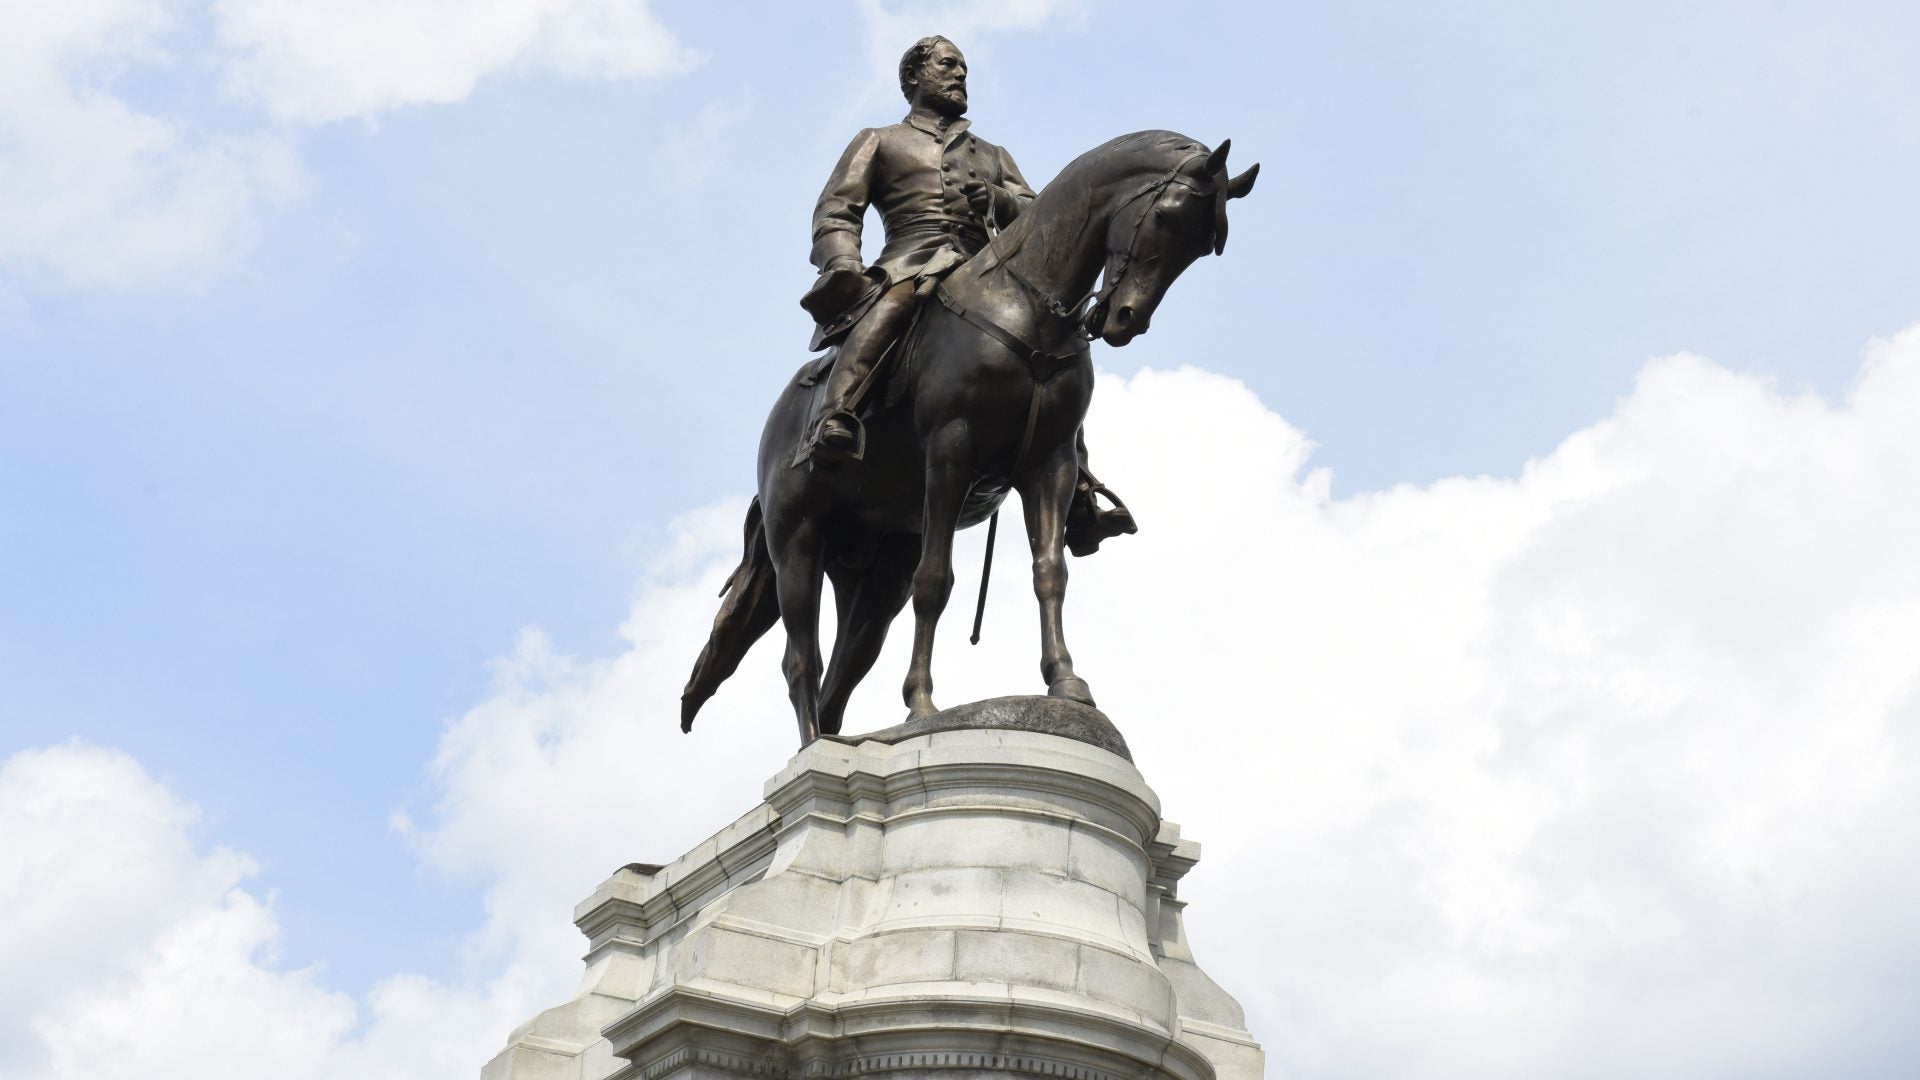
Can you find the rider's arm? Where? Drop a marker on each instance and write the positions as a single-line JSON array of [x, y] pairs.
[[842, 209], [1014, 194]]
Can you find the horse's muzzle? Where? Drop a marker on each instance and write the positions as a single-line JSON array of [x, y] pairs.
[[1122, 326]]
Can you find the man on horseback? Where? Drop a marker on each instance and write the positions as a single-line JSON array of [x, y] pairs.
[[940, 188]]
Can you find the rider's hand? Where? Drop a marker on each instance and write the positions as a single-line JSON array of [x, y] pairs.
[[979, 197]]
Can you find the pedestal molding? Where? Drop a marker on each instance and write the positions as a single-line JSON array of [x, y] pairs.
[[962, 904], [825, 1040]]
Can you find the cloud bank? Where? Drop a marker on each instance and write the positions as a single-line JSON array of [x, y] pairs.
[[1605, 769], [101, 190], [320, 60], [97, 190]]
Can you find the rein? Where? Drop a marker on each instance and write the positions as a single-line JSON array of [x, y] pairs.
[[1215, 188]]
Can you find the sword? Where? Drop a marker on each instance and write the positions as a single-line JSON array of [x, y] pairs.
[[986, 573], [993, 523]]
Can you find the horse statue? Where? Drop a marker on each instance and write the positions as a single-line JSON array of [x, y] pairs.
[[990, 386]]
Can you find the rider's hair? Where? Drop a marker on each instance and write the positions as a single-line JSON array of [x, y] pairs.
[[915, 56]]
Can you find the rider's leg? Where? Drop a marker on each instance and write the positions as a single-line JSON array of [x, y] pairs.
[[1087, 523], [835, 424]]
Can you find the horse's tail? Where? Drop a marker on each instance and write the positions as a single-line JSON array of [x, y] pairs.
[[750, 607]]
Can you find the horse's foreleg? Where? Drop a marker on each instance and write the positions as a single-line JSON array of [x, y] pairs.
[[947, 482], [1044, 496], [798, 568], [869, 599]]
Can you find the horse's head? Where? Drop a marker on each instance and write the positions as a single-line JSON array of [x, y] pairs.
[[1161, 230]]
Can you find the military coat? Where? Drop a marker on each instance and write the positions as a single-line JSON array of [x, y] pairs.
[[913, 172]]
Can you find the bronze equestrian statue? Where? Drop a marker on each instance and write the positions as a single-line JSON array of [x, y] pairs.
[[939, 188], [984, 393]]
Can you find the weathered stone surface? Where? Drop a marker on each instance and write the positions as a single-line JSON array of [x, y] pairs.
[[973, 900], [1047, 715]]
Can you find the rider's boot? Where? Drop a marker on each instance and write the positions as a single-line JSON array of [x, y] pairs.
[[1087, 523], [836, 433]]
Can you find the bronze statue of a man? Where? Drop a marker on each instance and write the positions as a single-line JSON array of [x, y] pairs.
[[940, 190]]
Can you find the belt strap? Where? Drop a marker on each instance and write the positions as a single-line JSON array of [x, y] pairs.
[[1036, 359], [1037, 362]]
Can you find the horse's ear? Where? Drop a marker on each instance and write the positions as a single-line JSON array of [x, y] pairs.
[[1238, 187], [1217, 161]]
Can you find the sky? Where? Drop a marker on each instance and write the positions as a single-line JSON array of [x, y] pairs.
[[1525, 617]]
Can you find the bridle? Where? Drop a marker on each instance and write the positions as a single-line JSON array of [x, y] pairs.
[[1213, 186], [1045, 363]]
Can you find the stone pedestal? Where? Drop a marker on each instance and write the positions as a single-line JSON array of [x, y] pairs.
[[967, 902]]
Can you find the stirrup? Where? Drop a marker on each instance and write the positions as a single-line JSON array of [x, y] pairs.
[[1119, 507], [1091, 525], [822, 451]]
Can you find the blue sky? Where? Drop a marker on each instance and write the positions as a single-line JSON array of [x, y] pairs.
[[286, 469]]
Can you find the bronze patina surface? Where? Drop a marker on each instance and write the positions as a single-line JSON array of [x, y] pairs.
[[1047, 715], [977, 319]]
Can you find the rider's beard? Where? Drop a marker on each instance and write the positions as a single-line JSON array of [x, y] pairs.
[[947, 100]]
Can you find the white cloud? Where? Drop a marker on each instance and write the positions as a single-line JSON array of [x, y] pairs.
[[1606, 769], [102, 188], [199, 1002], [97, 190], [127, 952], [86, 830], [319, 60]]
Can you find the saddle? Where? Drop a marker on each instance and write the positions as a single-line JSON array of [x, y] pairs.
[[891, 380]]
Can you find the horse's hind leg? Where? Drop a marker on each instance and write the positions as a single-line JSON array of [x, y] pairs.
[[1045, 494], [868, 599], [798, 570], [947, 482]]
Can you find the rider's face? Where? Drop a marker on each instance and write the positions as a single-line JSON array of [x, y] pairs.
[[943, 81]]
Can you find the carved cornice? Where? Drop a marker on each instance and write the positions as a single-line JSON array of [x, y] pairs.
[[1036, 1064], [867, 1065], [840, 791], [737, 1064], [659, 901], [814, 1040], [1172, 857]]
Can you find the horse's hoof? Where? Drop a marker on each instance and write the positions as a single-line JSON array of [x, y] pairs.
[[1073, 688], [921, 710]]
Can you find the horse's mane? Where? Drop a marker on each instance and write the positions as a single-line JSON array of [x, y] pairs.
[[1127, 156], [1064, 210]]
